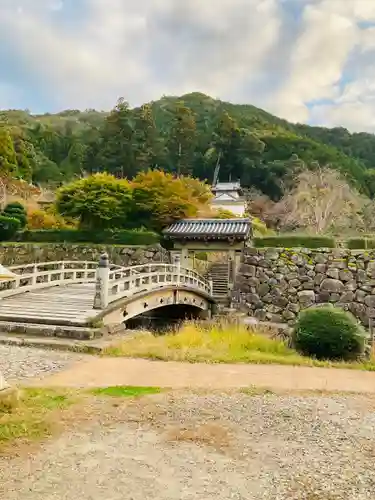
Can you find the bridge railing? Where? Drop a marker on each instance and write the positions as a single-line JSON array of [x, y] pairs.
[[112, 282], [129, 281], [45, 274]]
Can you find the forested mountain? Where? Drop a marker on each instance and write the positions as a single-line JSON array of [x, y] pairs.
[[192, 134]]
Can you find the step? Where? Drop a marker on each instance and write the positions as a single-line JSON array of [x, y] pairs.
[[74, 309], [47, 330], [44, 319], [84, 346]]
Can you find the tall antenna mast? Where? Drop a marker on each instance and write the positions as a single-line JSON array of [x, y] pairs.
[[217, 170]]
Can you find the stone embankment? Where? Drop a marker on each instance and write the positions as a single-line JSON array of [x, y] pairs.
[[15, 254], [275, 284]]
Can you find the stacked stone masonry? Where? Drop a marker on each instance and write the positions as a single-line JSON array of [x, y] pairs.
[[16, 254], [275, 284]]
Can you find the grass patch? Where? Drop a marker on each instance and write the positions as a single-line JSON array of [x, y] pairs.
[[30, 420], [39, 413], [221, 343], [120, 391]]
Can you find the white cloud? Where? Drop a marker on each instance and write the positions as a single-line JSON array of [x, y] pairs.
[[250, 50], [318, 58], [145, 48]]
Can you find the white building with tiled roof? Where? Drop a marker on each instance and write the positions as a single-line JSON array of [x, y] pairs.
[[229, 196]]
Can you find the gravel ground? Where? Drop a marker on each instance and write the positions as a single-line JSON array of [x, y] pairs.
[[198, 446], [21, 363]]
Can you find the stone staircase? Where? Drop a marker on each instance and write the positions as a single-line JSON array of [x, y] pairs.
[[218, 273]]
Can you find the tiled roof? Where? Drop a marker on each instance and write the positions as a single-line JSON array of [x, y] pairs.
[[238, 229], [226, 186]]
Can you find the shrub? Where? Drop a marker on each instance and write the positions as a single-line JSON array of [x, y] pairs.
[[14, 205], [360, 243], [329, 333], [294, 241], [42, 219], [259, 227], [16, 210], [120, 237], [223, 213], [8, 227]]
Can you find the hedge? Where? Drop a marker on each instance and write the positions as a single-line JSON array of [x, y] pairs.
[[294, 241], [120, 237], [360, 243]]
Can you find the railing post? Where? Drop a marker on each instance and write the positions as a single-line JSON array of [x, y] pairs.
[[211, 284], [179, 272], [102, 283], [85, 270], [34, 278]]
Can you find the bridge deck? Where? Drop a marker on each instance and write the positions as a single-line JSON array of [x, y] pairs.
[[70, 304]]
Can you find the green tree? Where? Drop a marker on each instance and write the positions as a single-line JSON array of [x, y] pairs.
[[46, 171], [235, 149], [148, 144], [182, 139], [117, 151], [370, 182], [8, 159], [160, 199], [25, 156], [99, 202]]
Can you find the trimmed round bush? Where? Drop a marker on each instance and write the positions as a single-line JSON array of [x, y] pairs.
[[329, 333], [14, 205], [16, 210], [8, 227]]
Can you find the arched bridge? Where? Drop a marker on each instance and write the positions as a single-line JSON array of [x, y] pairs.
[[84, 293]]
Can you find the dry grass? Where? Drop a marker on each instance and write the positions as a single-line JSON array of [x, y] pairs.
[[209, 434], [221, 342]]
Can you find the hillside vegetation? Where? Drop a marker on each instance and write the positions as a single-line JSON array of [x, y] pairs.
[[190, 134]]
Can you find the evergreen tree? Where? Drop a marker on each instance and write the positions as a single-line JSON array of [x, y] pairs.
[[8, 158], [182, 139], [117, 152]]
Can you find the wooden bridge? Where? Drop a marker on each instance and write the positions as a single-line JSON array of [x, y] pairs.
[[83, 293]]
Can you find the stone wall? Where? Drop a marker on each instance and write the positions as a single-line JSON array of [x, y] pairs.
[[26, 253], [274, 284]]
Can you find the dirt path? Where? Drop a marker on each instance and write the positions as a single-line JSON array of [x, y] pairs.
[[103, 372], [184, 446]]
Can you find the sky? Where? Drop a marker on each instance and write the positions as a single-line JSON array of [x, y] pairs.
[[308, 61]]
